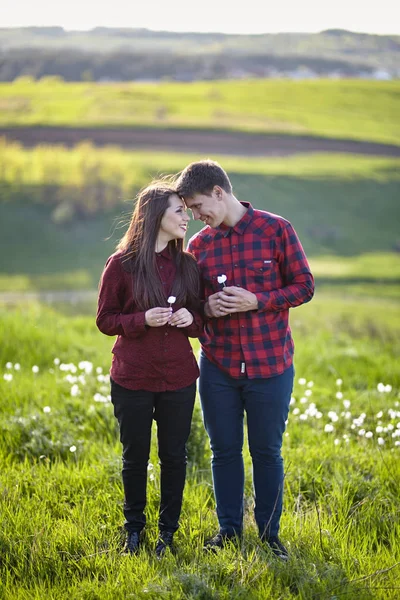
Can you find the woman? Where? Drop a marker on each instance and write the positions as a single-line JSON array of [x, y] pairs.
[[148, 297]]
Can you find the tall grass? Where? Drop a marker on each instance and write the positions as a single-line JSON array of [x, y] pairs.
[[61, 494], [365, 110]]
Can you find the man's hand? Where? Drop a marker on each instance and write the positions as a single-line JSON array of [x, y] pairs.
[[231, 299]]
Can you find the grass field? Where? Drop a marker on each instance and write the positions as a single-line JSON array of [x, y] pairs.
[[60, 489], [66, 209], [359, 110]]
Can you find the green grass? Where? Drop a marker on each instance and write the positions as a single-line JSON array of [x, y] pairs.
[[363, 110], [61, 510], [65, 210]]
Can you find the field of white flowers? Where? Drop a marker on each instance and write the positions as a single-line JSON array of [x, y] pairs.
[[61, 494]]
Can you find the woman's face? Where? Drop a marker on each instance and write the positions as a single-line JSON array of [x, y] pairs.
[[174, 222]]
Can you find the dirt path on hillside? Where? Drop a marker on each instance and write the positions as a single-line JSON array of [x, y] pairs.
[[208, 143]]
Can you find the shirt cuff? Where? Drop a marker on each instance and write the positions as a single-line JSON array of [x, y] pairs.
[[133, 325]]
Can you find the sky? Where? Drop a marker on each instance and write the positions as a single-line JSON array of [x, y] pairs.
[[226, 16]]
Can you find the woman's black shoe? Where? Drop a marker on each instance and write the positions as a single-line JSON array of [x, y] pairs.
[[164, 542], [277, 547], [132, 542]]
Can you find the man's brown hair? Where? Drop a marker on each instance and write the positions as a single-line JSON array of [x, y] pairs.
[[200, 178]]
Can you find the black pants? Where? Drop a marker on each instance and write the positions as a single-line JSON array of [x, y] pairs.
[[135, 411]]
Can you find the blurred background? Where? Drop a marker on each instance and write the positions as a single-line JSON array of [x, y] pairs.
[[306, 122]]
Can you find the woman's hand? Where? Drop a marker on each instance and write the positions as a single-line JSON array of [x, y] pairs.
[[157, 317], [181, 318]]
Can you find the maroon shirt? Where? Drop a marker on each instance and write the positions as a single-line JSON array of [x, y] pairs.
[[156, 359]]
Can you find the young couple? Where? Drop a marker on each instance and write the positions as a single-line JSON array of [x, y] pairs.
[[232, 288]]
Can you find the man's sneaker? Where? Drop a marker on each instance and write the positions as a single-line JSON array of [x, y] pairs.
[[219, 541], [164, 542], [277, 547], [132, 542]]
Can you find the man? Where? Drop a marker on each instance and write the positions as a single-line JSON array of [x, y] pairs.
[[253, 269]]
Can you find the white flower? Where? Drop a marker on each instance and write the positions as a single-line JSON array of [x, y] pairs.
[[292, 400], [221, 279], [7, 376], [17, 367], [361, 432], [308, 392], [369, 434], [46, 409], [296, 411], [302, 381], [346, 403], [381, 441], [56, 361], [329, 428], [310, 384], [9, 365], [303, 400], [303, 417], [388, 388], [99, 370], [336, 442], [380, 387], [171, 300], [72, 449], [339, 395], [74, 390], [397, 443], [35, 369], [86, 366], [333, 416], [339, 381], [379, 415]]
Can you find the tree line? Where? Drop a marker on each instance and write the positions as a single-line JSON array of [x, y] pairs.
[[76, 65]]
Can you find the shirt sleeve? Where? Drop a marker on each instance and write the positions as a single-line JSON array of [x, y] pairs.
[[112, 295], [298, 281]]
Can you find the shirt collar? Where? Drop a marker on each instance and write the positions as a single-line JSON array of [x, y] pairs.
[[241, 224], [165, 253]]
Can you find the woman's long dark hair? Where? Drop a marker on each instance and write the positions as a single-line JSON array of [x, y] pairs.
[[139, 257]]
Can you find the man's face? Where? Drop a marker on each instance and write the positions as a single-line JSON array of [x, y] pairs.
[[209, 209]]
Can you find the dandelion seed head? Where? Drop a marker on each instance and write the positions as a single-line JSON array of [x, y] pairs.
[[35, 369], [17, 367], [329, 428], [381, 441], [302, 381], [339, 381], [72, 448], [46, 409], [7, 376], [339, 395]]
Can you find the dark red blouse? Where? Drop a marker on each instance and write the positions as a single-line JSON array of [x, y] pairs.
[[151, 358]]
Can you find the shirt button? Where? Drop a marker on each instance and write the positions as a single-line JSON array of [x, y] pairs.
[[242, 326], [235, 265], [166, 333]]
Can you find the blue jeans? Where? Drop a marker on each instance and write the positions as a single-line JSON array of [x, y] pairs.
[[266, 402]]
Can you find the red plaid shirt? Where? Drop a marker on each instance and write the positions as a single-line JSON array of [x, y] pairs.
[[262, 254]]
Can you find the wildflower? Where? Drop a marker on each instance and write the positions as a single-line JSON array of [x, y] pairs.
[[379, 414], [339, 395], [7, 376], [369, 434], [221, 279], [339, 381], [310, 384], [303, 400], [379, 429], [56, 361], [336, 442], [46, 409], [302, 381], [388, 388], [381, 441], [86, 366], [72, 448], [333, 416], [74, 390], [35, 369], [99, 370], [329, 428], [397, 443], [17, 367], [9, 365], [346, 403], [361, 432], [380, 387], [308, 393], [303, 417], [296, 411], [171, 300]]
